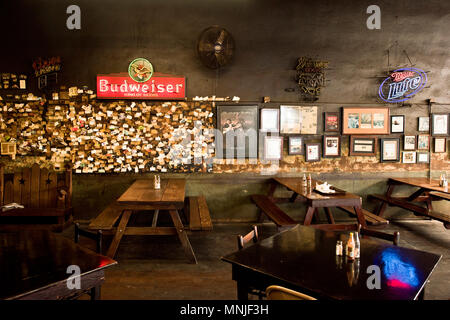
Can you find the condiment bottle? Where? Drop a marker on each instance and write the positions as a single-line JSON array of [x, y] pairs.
[[157, 182], [351, 247], [357, 246], [305, 183], [339, 248]]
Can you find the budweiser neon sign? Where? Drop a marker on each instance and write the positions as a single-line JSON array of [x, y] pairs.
[[158, 87], [402, 85]]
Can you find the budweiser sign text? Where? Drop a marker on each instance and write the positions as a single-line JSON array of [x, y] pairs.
[[157, 87]]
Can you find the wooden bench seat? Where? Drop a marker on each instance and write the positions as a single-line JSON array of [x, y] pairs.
[[272, 211], [440, 195], [416, 209], [199, 216], [371, 218], [106, 219]]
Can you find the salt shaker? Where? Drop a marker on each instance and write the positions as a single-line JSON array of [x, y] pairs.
[[339, 248], [157, 183]]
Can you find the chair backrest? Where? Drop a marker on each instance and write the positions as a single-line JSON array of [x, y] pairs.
[[395, 238], [36, 187], [282, 293], [243, 240]]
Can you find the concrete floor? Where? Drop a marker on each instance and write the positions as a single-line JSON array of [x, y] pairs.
[[152, 268]]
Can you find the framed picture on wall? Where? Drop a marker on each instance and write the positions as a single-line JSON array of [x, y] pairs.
[[390, 150], [397, 124], [409, 143], [409, 157], [423, 157], [423, 142], [365, 120], [363, 145], [295, 145], [290, 119], [331, 122], [239, 128], [440, 145], [439, 124], [312, 152], [331, 146], [270, 120], [273, 148], [424, 124]]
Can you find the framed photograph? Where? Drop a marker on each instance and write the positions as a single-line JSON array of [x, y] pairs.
[[331, 122], [390, 150], [312, 152], [423, 157], [273, 148], [439, 124], [270, 120], [290, 119], [409, 143], [365, 120], [239, 128], [397, 124], [424, 124], [423, 142], [295, 145], [440, 145], [331, 146], [409, 157], [363, 145]]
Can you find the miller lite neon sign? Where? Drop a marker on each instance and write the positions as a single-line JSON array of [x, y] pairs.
[[402, 85]]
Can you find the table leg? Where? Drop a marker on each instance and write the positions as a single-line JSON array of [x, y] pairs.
[[242, 291], [96, 293], [309, 216], [155, 218], [119, 234], [415, 195], [384, 204], [273, 186], [329, 215], [183, 236], [360, 217]]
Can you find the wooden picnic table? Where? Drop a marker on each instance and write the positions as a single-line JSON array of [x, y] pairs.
[[34, 266], [314, 200], [141, 196], [429, 191], [304, 258]]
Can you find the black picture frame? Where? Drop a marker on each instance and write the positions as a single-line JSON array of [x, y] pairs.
[[298, 144], [244, 118], [394, 125], [267, 112], [326, 147], [433, 125], [383, 142], [329, 125], [423, 124], [418, 154], [439, 150], [363, 142], [419, 147], [409, 152], [307, 153], [405, 137]]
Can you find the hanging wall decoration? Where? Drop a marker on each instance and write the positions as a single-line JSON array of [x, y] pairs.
[[402, 84], [310, 77]]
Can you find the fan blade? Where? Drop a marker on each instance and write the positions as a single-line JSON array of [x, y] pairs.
[[221, 37], [205, 47], [221, 59]]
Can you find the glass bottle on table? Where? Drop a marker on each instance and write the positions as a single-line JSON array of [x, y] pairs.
[[351, 247], [357, 246]]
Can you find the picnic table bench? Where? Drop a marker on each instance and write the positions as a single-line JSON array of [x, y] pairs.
[[429, 190]]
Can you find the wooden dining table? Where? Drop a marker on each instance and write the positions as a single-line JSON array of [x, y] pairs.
[[428, 191], [141, 196], [34, 266], [315, 200], [304, 259]]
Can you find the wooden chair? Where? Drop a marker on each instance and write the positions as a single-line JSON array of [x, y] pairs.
[[282, 293], [242, 241], [98, 236], [251, 236], [46, 197]]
